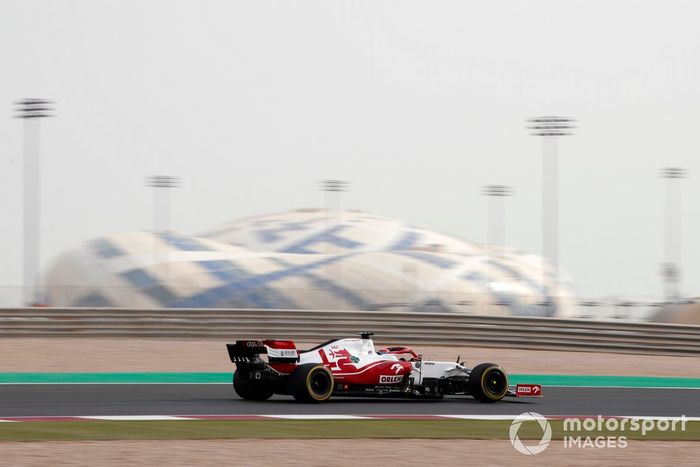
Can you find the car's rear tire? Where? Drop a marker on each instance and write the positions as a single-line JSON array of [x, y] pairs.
[[311, 383], [249, 388], [488, 382]]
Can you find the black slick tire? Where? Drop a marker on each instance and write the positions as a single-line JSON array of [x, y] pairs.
[[249, 388], [488, 382], [311, 383]]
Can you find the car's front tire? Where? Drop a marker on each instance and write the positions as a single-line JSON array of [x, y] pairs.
[[249, 388], [311, 383], [488, 382]]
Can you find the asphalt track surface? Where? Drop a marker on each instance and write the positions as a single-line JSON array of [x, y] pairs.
[[17, 400]]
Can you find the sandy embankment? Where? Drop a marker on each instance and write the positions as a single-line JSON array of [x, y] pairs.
[[338, 453], [109, 354]]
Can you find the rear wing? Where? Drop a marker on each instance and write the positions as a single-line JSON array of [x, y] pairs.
[[243, 351]]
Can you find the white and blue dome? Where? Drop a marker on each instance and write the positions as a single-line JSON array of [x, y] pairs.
[[306, 259]]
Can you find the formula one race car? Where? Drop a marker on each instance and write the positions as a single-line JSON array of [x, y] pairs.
[[352, 367]]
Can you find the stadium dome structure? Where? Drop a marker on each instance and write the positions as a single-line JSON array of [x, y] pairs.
[[307, 259]]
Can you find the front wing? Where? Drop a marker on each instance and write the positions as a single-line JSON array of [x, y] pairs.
[[525, 390]]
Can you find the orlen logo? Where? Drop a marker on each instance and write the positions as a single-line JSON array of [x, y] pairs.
[[253, 344], [528, 390], [390, 379]]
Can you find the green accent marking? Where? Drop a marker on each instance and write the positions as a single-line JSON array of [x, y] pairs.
[[114, 378], [601, 381]]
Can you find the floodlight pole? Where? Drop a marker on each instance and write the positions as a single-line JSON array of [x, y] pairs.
[[32, 111], [550, 128], [496, 215], [330, 187], [167, 182], [496, 223], [161, 183], [671, 268], [333, 186]]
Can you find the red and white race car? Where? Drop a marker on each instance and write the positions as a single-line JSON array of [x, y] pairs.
[[352, 367]]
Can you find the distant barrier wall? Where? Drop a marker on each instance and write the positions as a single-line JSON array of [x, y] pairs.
[[389, 327]]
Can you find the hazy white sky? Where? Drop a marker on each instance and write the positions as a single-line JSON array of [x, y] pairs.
[[417, 104]]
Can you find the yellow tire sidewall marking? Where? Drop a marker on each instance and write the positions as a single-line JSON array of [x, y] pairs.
[[308, 385], [483, 386]]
